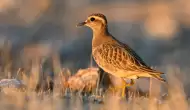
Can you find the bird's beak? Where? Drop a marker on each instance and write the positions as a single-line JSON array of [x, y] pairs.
[[81, 24]]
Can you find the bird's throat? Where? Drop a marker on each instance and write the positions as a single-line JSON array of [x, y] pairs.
[[99, 32], [100, 37]]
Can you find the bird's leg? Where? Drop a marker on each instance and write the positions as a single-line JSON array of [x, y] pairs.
[[123, 88], [132, 82], [100, 71], [97, 98], [112, 89]]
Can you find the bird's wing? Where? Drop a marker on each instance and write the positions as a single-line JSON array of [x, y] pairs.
[[123, 57]]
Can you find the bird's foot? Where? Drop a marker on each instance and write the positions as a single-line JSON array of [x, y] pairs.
[[122, 88], [112, 89], [115, 90]]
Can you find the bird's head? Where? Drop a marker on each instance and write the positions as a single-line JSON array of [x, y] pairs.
[[95, 21]]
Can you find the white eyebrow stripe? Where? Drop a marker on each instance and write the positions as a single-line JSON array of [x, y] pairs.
[[99, 18]]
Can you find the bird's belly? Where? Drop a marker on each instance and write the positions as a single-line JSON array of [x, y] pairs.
[[119, 73]]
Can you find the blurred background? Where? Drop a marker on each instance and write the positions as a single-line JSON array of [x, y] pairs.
[[158, 30]]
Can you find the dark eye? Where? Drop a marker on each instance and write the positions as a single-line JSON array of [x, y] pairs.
[[92, 19]]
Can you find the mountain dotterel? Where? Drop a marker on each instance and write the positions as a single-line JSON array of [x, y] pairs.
[[115, 57]]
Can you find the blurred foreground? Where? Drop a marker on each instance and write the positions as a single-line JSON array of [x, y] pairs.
[[17, 98]]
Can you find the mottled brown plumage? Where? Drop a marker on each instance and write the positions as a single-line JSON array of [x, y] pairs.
[[113, 56]]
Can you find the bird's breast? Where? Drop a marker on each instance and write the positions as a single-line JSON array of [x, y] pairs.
[[101, 58]]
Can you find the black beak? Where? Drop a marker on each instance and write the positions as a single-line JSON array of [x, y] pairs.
[[81, 24]]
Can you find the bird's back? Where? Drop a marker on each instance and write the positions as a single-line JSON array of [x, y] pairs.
[[119, 59]]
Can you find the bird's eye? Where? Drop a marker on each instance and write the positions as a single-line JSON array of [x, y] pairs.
[[92, 19]]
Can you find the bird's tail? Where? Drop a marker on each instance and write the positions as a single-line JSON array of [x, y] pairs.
[[158, 77]]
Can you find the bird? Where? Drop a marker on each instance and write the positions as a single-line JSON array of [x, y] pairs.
[[115, 57]]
